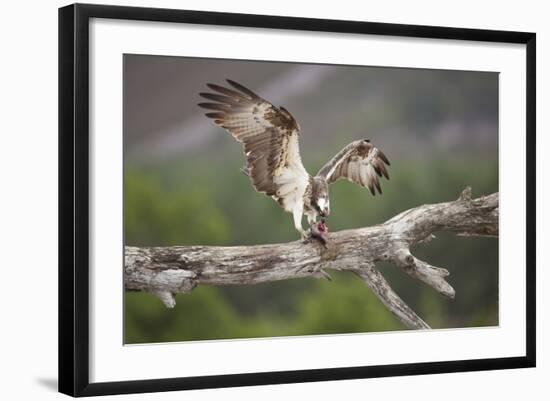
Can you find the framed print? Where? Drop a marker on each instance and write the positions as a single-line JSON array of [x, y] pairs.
[[250, 199]]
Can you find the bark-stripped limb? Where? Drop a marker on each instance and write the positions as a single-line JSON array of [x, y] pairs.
[[166, 271]]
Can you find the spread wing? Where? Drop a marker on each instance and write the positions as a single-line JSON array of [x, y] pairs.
[[269, 136], [359, 162]]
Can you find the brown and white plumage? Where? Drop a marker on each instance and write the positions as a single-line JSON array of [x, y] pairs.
[[269, 136], [359, 162]]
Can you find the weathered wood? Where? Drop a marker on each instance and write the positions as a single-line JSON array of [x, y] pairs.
[[165, 271]]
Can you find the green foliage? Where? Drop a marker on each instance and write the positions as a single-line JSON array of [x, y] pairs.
[[153, 216], [205, 315], [343, 305]]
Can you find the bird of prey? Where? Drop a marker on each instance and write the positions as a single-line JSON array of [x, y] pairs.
[[269, 136]]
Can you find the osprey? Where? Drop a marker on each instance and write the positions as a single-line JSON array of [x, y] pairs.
[[269, 136]]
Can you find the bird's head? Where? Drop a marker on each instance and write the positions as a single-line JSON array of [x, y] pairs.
[[319, 196]]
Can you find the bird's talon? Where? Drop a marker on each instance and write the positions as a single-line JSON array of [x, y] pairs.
[[306, 235]]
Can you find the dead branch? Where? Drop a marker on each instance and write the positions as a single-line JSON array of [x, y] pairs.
[[166, 271]]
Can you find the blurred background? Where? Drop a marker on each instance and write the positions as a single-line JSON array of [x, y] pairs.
[[183, 186]]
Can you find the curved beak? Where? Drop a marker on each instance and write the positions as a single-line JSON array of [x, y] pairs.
[[323, 207]]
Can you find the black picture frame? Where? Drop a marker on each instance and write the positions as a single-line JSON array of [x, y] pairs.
[[74, 198]]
